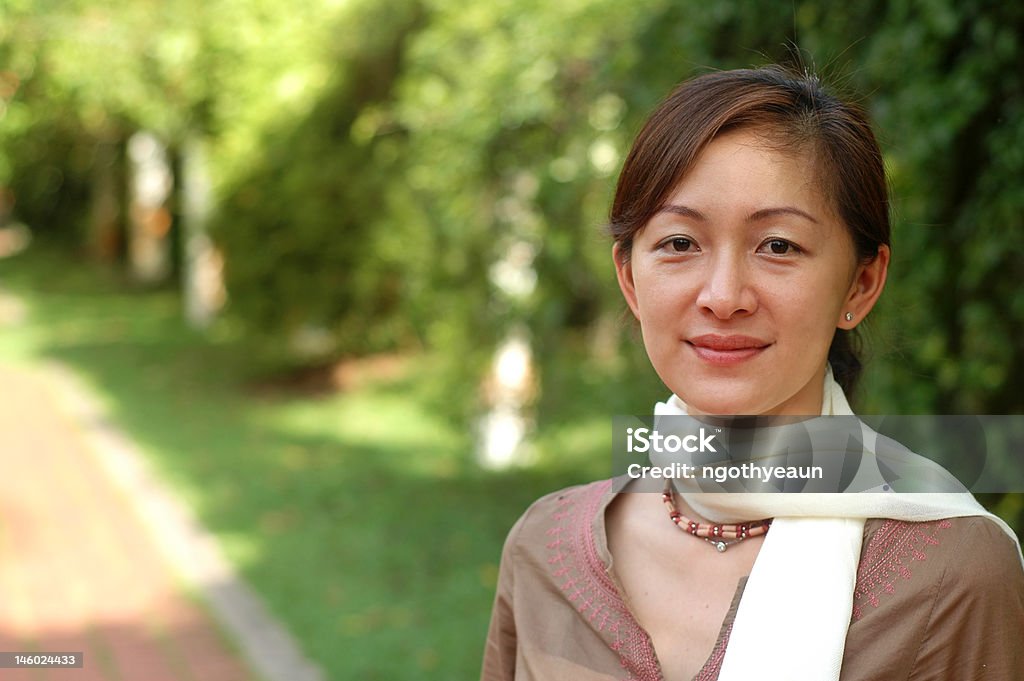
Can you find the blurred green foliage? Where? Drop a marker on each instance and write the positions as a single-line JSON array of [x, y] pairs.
[[374, 163]]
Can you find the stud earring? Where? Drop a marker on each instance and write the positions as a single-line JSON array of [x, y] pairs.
[[849, 316]]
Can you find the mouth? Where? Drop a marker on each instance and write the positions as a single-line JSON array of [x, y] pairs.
[[727, 350]]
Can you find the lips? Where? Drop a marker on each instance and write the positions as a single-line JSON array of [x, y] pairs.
[[727, 350]]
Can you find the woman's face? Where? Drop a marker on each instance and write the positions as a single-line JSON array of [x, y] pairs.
[[741, 279]]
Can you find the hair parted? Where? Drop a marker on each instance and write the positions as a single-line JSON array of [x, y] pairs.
[[795, 114]]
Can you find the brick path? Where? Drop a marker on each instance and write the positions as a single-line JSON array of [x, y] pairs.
[[78, 570]]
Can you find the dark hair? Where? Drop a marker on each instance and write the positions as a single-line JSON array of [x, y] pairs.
[[794, 112]]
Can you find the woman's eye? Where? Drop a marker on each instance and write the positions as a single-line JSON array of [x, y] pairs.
[[780, 246], [680, 244]]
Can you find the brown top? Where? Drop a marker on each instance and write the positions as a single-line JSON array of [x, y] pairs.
[[940, 600]]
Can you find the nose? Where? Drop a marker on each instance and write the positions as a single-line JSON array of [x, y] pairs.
[[727, 289]]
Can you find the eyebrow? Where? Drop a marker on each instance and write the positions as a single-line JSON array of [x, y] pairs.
[[761, 214], [781, 210], [685, 211]]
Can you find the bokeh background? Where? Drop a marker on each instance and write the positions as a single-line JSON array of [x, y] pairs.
[[339, 266]]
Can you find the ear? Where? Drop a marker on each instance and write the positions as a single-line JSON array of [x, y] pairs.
[[624, 273], [866, 287]]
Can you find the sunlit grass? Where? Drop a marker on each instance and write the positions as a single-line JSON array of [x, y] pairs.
[[358, 515]]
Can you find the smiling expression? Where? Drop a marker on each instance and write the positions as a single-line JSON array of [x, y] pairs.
[[740, 280]]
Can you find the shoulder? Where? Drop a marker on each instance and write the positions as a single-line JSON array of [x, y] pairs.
[[940, 599], [982, 563], [970, 555], [554, 509], [975, 619], [973, 551], [555, 521], [971, 544], [983, 546]]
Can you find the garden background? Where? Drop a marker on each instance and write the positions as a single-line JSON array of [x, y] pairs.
[[310, 254]]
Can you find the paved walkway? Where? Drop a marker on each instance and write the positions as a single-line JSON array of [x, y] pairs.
[[78, 569]]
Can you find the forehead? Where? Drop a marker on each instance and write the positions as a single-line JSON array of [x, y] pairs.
[[750, 167]]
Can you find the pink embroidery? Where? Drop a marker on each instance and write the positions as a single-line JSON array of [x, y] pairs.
[[589, 587], [888, 557]]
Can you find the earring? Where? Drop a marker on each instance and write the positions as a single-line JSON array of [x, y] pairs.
[[849, 316]]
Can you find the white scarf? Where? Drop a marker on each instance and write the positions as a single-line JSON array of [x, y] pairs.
[[793, 617]]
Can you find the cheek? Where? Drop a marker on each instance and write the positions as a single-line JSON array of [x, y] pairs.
[[660, 298], [824, 289], [813, 313]]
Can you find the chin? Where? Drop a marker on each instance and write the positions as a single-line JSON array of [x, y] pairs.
[[722, 405]]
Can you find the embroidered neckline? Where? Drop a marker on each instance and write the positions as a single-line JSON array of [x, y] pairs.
[[579, 571], [582, 576]]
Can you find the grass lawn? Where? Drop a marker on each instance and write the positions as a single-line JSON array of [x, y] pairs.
[[356, 514]]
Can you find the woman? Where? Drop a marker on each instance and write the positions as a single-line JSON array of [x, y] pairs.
[[751, 236]]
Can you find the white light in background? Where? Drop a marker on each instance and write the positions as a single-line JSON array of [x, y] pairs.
[[505, 426]]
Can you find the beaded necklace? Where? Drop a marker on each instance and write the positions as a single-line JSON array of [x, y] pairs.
[[718, 535]]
